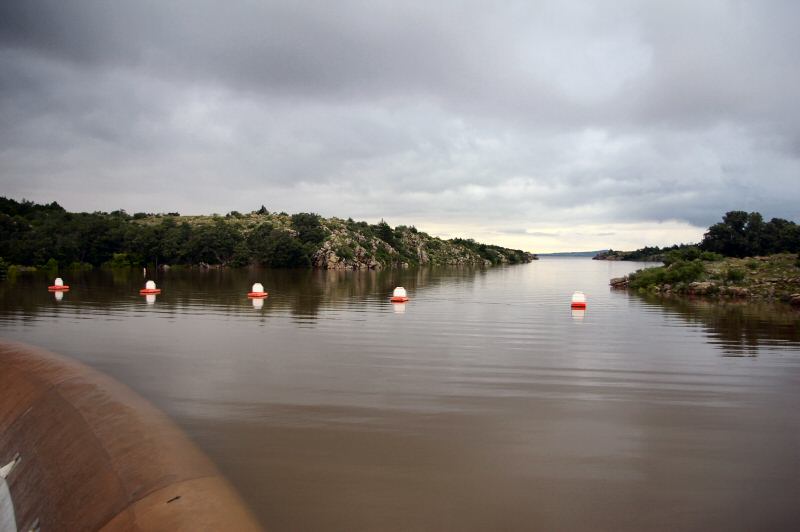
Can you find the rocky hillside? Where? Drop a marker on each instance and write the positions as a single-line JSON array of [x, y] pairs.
[[337, 244], [46, 235]]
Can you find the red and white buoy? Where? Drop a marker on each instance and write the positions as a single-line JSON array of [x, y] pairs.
[[149, 288], [257, 291], [58, 286], [578, 300], [399, 295]]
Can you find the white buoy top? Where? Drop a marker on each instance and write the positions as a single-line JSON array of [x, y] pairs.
[[578, 297], [150, 285], [399, 292], [59, 281], [257, 287]]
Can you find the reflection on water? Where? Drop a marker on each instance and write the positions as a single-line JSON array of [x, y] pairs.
[[483, 403], [302, 292], [739, 328]]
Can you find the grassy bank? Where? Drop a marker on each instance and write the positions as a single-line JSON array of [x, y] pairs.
[[770, 278]]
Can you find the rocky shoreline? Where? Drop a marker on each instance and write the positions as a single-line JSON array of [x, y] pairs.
[[770, 278], [349, 249]]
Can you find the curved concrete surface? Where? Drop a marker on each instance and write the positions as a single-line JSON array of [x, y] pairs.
[[81, 451]]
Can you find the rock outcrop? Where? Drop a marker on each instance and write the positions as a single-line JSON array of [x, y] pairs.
[[352, 246], [619, 282]]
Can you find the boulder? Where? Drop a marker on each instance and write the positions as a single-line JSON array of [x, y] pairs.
[[737, 291], [619, 282], [701, 288]]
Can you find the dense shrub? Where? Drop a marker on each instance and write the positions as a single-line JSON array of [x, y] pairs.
[[677, 272], [80, 267], [385, 232], [119, 260], [285, 251], [734, 275], [308, 227], [345, 252], [689, 253]]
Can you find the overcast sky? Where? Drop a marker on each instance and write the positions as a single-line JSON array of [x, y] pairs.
[[542, 125]]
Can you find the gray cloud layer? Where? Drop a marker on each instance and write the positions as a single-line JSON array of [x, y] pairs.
[[515, 114]]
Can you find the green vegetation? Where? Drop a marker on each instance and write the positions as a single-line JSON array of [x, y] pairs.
[[677, 272], [667, 254], [689, 253], [49, 237], [739, 234], [746, 235], [493, 254], [3, 269], [739, 257], [774, 277]]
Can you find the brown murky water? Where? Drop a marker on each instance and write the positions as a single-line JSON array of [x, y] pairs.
[[482, 404]]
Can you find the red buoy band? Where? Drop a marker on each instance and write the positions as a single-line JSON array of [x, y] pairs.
[[145, 291], [58, 288], [579, 305], [398, 299], [257, 294]]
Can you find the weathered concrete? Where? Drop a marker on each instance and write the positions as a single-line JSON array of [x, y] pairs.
[[93, 455]]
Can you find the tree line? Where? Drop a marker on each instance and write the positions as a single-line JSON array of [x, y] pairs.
[[739, 234], [46, 234], [742, 234]]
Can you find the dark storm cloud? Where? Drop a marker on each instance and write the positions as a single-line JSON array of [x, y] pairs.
[[513, 114]]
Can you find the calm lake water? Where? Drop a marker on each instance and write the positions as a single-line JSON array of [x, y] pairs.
[[482, 404]]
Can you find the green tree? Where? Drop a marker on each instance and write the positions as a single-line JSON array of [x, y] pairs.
[[284, 251], [214, 243], [258, 241], [308, 227], [732, 237], [385, 232]]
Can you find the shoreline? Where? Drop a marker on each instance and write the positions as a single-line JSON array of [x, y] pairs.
[[772, 278]]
